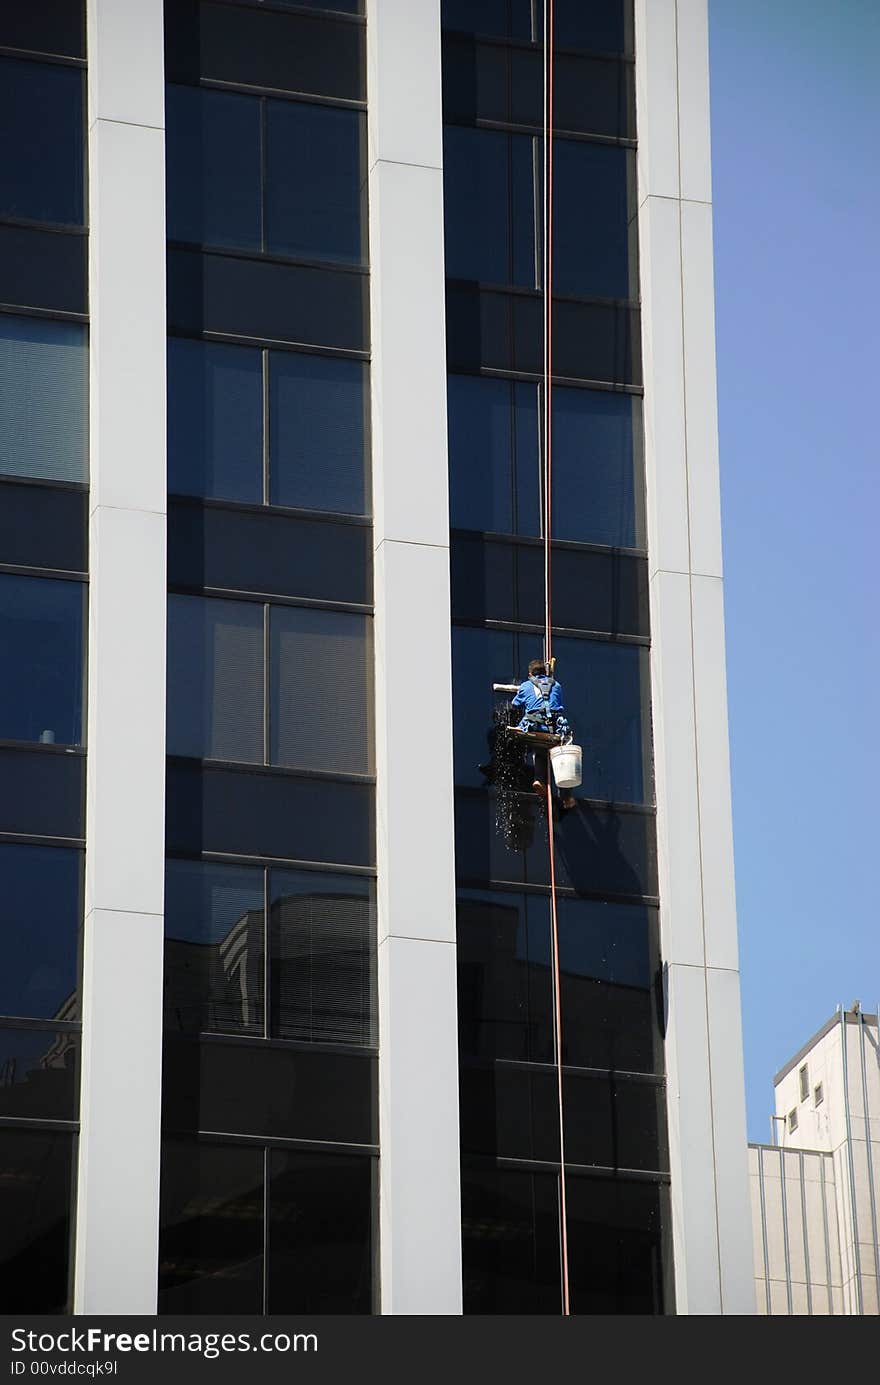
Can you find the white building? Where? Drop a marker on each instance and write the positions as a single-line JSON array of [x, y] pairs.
[[816, 1189]]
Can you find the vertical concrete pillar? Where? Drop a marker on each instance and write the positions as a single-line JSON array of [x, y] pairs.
[[418, 1066], [118, 1194], [710, 1190]]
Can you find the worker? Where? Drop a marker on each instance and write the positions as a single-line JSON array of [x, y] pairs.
[[540, 696]]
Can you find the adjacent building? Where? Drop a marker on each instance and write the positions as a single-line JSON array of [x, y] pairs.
[[816, 1186], [279, 1022]]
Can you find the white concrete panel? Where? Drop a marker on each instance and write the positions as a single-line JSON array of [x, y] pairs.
[[698, 314], [713, 773], [127, 332], [127, 61], [657, 98], [126, 754], [663, 353], [695, 1232], [761, 1296], [403, 55], [409, 355], [415, 823], [729, 1126], [695, 157], [118, 1190], [678, 826], [419, 1165]]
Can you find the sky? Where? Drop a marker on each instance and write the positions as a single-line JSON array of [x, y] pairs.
[[796, 191]]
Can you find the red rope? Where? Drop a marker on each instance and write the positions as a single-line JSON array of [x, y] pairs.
[[548, 629]]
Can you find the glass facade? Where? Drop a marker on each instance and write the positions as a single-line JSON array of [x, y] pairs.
[[43, 575], [613, 1117], [270, 1125]]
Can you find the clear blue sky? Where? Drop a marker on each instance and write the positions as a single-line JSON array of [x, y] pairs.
[[796, 153]]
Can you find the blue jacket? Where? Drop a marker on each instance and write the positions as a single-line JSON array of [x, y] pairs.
[[531, 698]]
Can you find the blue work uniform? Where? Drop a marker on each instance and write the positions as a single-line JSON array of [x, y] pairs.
[[541, 699]]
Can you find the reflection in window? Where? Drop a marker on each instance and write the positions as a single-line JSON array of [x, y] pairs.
[[323, 958], [43, 398], [321, 680], [39, 1074], [598, 27], [493, 185], [321, 968], [36, 1187], [215, 420], [39, 923], [494, 459], [510, 1240], [505, 1002], [605, 689], [318, 422], [320, 1233], [618, 1246], [215, 679], [41, 116], [214, 948], [41, 652], [250, 173]]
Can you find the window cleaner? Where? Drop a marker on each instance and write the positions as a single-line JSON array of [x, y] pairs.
[[544, 728]]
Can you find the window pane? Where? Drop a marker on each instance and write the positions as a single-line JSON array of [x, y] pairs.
[[42, 794], [322, 708], [315, 182], [501, 18], [323, 958], [215, 679], [611, 1004], [618, 1246], [489, 206], [40, 914], [214, 948], [510, 1111], [37, 1175], [44, 388], [591, 215], [493, 455], [268, 814], [272, 1090], [41, 653], [211, 1229], [320, 1233], [43, 269], [39, 1074], [45, 26], [318, 426], [41, 173], [510, 1241], [597, 468], [505, 1002], [44, 526], [213, 167], [215, 420]]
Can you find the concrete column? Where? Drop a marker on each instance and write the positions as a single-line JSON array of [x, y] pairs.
[[118, 1194], [710, 1191], [418, 1067]]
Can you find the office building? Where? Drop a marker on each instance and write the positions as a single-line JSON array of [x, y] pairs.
[[816, 1186], [280, 999]]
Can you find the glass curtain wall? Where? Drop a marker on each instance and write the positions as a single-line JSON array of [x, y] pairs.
[[268, 1199], [616, 1161], [43, 575]]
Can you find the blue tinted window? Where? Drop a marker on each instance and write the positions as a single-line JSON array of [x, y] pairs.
[[321, 715], [44, 389], [41, 172], [41, 654], [318, 412], [214, 948], [489, 206], [215, 420], [493, 455], [37, 1176], [591, 219], [605, 689], [494, 458], [39, 923], [500, 18], [213, 167], [215, 679], [315, 182]]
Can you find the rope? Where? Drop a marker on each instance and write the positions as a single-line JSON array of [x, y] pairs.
[[548, 614]]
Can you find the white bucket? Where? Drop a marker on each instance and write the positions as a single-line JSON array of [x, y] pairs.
[[566, 762]]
